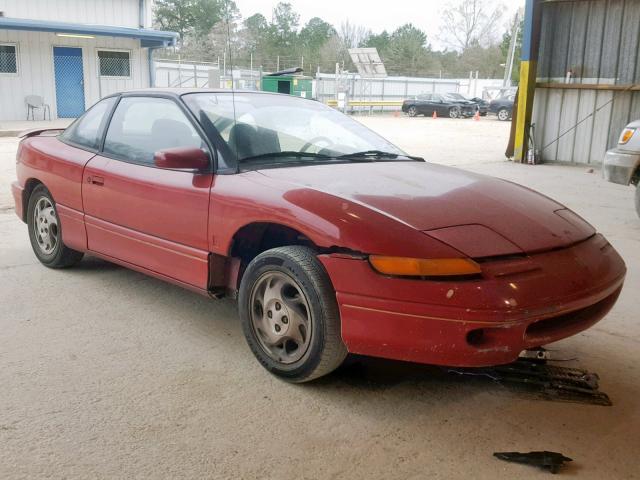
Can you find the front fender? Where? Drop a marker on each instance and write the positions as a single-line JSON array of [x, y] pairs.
[[327, 220]]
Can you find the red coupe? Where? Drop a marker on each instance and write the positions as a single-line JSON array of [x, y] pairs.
[[333, 239]]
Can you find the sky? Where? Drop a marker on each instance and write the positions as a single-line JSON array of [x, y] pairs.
[[424, 14]]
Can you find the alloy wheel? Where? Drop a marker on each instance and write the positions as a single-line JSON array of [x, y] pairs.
[[503, 115]]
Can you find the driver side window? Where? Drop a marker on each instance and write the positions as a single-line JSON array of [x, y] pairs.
[[142, 126]]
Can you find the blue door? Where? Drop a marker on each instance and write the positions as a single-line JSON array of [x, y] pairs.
[[67, 63]]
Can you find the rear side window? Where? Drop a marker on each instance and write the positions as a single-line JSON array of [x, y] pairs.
[[141, 126], [87, 130]]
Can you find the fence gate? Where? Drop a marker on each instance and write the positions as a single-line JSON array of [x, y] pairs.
[[69, 74]]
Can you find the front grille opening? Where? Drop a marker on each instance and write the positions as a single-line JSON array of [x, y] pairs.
[[569, 321]]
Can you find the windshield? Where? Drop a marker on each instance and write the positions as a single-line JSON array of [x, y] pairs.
[[455, 96], [285, 126]]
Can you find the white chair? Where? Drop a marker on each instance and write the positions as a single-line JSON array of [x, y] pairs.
[[36, 102]]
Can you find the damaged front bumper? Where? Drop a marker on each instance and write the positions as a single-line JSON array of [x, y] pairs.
[[519, 303]]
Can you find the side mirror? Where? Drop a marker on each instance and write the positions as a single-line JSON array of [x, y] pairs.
[[182, 158]]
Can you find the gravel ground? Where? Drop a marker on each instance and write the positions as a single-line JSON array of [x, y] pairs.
[[106, 373]]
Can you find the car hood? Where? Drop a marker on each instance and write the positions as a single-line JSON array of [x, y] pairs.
[[505, 217]]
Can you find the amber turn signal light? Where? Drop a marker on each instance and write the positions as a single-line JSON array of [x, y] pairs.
[[627, 133], [416, 267]]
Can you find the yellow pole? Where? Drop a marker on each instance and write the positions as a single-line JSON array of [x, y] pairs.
[[528, 77]]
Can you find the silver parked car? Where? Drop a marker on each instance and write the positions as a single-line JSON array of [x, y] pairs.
[[622, 164]]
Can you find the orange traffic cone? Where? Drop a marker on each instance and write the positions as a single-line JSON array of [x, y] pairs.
[[476, 117], [435, 114]]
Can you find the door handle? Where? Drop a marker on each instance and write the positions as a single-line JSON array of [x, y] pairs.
[[95, 180]]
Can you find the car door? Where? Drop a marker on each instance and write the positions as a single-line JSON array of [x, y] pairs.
[[423, 104], [142, 215], [439, 105]]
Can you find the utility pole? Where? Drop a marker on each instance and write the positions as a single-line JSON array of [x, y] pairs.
[[512, 51]]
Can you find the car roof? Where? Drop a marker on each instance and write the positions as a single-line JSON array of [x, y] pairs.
[[183, 91]]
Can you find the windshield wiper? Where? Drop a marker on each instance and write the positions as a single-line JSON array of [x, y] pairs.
[[293, 154], [373, 154]]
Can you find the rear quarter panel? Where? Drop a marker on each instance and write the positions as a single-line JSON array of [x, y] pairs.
[[59, 167]]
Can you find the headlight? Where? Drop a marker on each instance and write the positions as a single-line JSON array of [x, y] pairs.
[[416, 267], [627, 133]]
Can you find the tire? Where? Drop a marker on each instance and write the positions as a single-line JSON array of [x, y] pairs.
[[638, 199], [45, 231], [412, 111], [503, 115], [281, 289], [455, 112]]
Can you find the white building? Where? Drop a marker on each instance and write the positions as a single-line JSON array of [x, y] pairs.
[[73, 52]]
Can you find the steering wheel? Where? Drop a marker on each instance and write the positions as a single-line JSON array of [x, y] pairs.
[[313, 141]]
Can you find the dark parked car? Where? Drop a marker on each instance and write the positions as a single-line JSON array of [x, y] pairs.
[[443, 105], [482, 106], [502, 107]]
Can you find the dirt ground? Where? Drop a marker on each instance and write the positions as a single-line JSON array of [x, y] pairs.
[[106, 373]]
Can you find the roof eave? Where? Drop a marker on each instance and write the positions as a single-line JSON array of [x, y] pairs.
[[148, 38]]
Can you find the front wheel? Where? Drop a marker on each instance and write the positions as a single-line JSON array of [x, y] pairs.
[[290, 315], [412, 111], [45, 231], [455, 112], [503, 115]]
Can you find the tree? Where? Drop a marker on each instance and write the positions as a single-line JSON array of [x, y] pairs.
[[313, 35], [193, 19], [378, 40], [408, 52], [284, 26], [334, 51], [470, 22], [253, 33], [353, 35], [504, 47], [176, 16], [311, 39]]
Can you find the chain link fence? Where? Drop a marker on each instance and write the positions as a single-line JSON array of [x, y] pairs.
[[380, 94]]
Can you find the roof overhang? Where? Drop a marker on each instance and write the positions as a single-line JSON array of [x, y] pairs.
[[148, 38]]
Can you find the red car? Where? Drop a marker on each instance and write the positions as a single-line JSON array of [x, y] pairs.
[[333, 239]]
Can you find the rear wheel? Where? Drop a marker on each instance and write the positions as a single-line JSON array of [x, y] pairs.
[[638, 198], [503, 114], [290, 315], [45, 231], [455, 112], [412, 111]]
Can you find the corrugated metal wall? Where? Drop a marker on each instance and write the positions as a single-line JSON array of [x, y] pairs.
[[124, 13], [597, 41], [36, 75]]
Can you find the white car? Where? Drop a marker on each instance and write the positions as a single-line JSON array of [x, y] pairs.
[[622, 164]]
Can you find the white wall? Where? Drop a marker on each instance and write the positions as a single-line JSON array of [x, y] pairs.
[[36, 74], [103, 12]]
